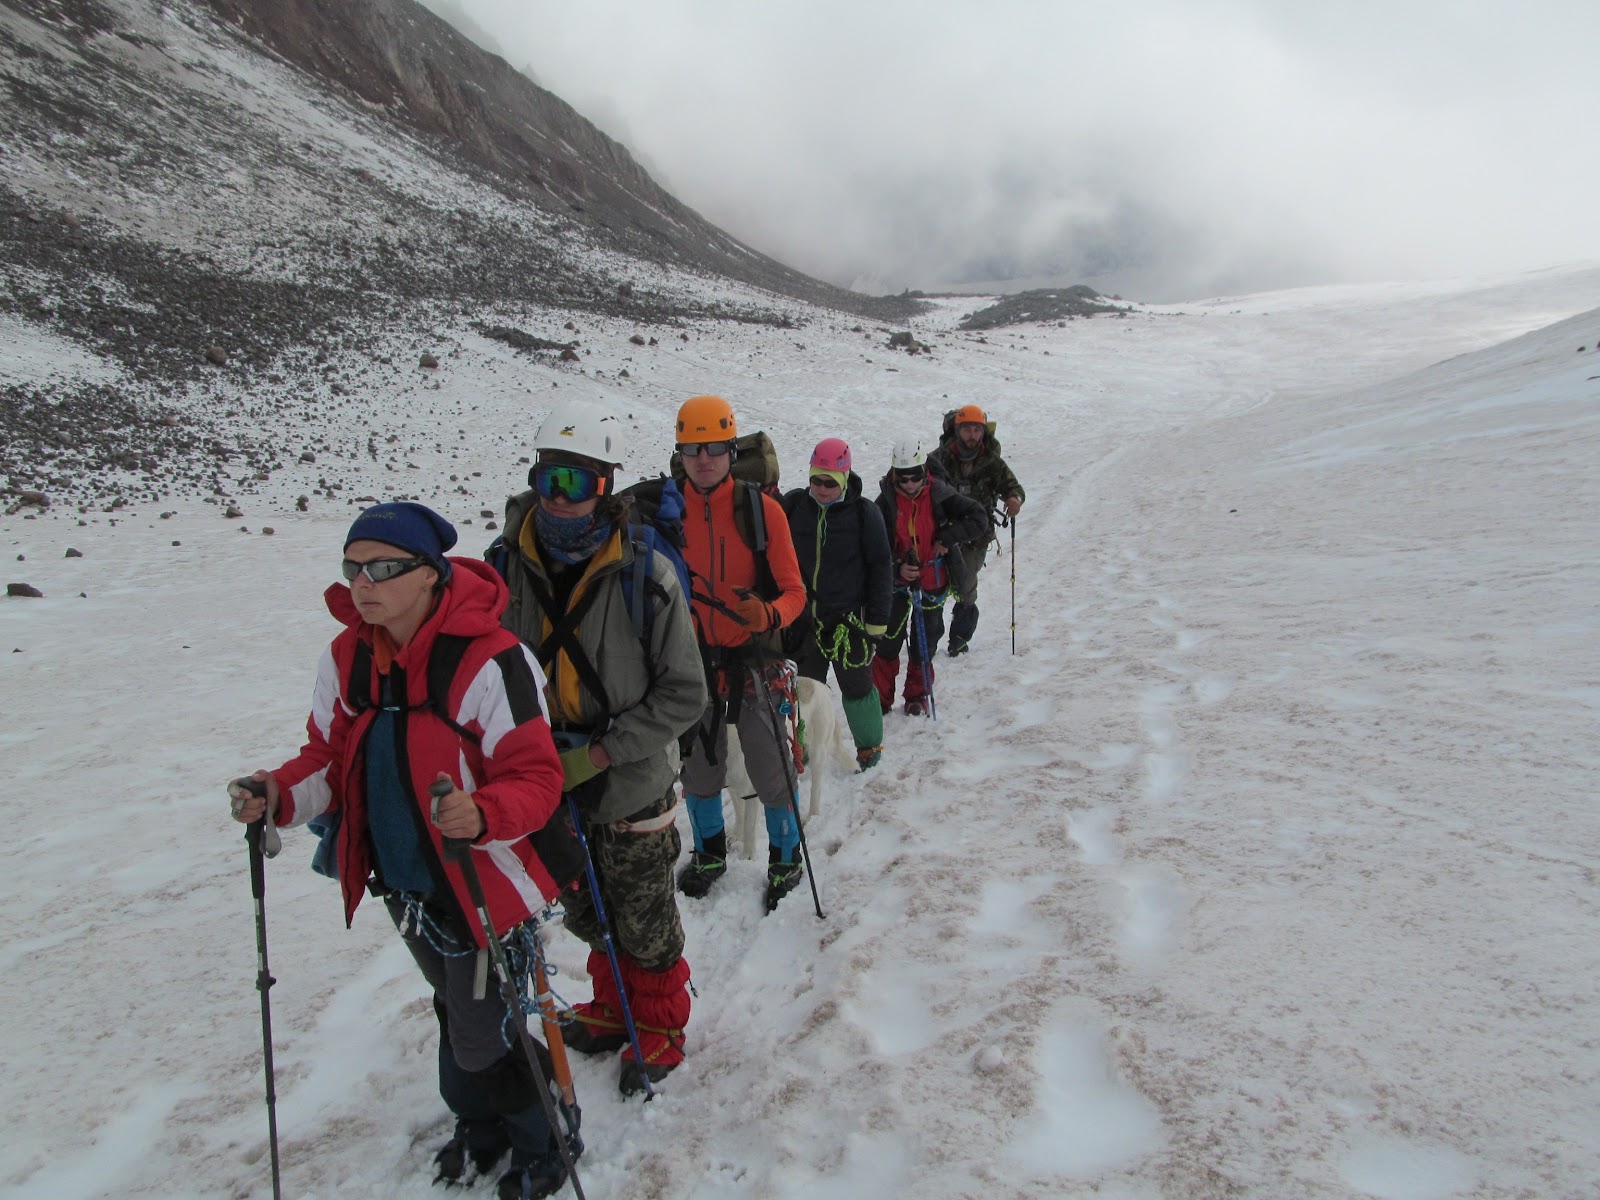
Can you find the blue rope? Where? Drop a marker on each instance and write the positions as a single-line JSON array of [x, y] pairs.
[[521, 944]]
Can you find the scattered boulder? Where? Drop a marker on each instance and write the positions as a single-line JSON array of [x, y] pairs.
[[23, 589], [217, 356], [428, 362], [268, 530], [905, 341], [234, 513], [308, 457], [569, 355], [637, 339], [72, 552]]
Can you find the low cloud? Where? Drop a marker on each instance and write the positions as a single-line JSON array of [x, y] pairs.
[[1165, 148]]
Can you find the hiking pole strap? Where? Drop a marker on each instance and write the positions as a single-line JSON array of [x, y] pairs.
[[459, 851]]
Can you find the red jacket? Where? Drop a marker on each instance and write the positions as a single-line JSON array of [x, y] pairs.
[[720, 561], [514, 774]]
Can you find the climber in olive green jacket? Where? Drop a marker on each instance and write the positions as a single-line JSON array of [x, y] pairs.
[[969, 457]]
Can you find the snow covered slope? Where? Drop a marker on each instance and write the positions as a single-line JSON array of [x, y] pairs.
[[1264, 869]]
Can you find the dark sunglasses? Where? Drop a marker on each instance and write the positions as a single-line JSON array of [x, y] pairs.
[[824, 482], [910, 476], [380, 569], [574, 484], [696, 449]]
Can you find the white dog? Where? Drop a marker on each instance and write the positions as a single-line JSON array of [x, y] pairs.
[[824, 739]]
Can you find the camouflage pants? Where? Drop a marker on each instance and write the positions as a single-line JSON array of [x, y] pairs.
[[635, 871]]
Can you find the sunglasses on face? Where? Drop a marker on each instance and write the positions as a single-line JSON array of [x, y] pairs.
[[696, 449], [574, 484], [916, 476], [380, 569], [822, 481]]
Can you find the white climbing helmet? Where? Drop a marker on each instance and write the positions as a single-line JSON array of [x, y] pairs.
[[907, 456], [582, 427]]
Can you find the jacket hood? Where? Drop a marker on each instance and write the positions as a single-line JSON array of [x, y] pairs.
[[473, 600]]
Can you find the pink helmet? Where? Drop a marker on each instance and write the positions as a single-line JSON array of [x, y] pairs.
[[831, 454]]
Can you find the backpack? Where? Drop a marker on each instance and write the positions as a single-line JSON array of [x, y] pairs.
[[756, 461]]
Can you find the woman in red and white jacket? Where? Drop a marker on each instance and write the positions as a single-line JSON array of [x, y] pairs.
[[377, 742]]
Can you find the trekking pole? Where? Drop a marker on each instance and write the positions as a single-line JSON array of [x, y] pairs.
[[794, 788], [459, 851], [1013, 557], [611, 948], [239, 789], [921, 629]]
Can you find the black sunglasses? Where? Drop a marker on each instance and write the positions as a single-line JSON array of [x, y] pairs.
[[696, 449], [823, 481], [380, 569], [909, 475]]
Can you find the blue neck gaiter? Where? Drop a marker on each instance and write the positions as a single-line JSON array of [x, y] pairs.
[[571, 539]]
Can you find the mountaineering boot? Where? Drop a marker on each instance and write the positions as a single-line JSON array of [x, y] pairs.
[[660, 1003], [916, 708], [705, 867], [597, 1026], [963, 624], [868, 757], [782, 877], [536, 1166], [631, 1081], [583, 1038], [542, 1175], [480, 1141]]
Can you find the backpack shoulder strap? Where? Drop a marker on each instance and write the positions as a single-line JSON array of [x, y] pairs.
[[444, 660], [358, 686], [758, 519]]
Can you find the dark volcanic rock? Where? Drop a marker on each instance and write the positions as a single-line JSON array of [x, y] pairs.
[[1043, 304]]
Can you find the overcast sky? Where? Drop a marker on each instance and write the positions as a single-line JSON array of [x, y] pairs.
[[1168, 148]]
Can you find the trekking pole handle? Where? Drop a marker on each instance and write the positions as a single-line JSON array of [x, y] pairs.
[[455, 849], [261, 835]]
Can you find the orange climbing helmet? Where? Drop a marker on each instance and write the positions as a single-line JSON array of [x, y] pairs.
[[706, 419], [971, 414]]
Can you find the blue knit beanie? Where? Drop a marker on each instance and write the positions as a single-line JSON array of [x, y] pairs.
[[410, 526]]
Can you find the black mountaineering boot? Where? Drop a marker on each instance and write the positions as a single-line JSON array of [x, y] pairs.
[[782, 877], [705, 867], [482, 1142]]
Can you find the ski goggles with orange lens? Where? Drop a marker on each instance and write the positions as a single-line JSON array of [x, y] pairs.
[[570, 483], [696, 449]]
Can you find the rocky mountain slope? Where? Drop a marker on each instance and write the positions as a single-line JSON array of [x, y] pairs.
[[256, 186]]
